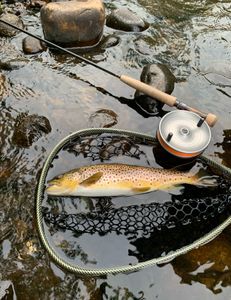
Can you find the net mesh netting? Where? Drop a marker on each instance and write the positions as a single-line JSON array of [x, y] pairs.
[[186, 217], [143, 218], [104, 147]]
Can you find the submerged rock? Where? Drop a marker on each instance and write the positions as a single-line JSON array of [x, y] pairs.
[[110, 41], [10, 57], [104, 118], [12, 19], [3, 86], [31, 45], [5, 169], [73, 23], [29, 128], [36, 4], [160, 77], [126, 20], [13, 64], [13, 7]]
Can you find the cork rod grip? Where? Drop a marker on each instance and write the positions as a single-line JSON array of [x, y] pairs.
[[149, 90]]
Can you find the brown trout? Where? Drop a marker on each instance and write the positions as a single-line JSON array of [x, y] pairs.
[[119, 179]]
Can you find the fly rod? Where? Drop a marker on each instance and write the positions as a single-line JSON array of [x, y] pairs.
[[134, 83]]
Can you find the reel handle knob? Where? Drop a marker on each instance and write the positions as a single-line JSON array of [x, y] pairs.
[[211, 119], [149, 90]]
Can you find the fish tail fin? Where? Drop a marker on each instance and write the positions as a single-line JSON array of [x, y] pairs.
[[207, 181]]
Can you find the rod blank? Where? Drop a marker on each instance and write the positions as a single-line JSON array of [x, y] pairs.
[[165, 98]]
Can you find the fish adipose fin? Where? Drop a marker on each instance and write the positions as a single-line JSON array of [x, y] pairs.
[[92, 179], [141, 189]]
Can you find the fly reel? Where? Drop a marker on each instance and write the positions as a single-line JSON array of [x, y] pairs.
[[183, 133]]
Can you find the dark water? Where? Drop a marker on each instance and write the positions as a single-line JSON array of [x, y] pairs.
[[191, 37]]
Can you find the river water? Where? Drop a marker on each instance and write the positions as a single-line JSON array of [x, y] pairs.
[[193, 39]]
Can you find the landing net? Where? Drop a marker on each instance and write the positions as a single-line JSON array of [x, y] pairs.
[[159, 230]]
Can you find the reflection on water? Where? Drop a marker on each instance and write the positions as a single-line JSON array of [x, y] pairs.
[[193, 39], [226, 147], [209, 265]]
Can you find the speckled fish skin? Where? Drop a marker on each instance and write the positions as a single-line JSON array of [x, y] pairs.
[[116, 180]]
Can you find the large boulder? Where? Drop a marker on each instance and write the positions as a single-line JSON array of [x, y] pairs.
[[73, 23]]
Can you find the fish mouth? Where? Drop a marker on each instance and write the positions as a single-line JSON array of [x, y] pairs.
[[55, 188], [60, 187]]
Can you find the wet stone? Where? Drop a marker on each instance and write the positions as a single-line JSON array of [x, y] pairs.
[[13, 64], [160, 77], [73, 23], [31, 45], [10, 57], [12, 19], [3, 86], [5, 170], [36, 4], [110, 41], [126, 20], [142, 45], [103, 118], [29, 128], [15, 8]]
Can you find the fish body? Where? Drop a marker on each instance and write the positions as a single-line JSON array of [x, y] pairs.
[[116, 180]]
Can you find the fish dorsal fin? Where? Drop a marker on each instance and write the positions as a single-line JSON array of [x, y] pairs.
[[141, 189], [92, 179]]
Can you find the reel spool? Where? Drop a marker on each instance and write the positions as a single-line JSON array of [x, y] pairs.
[[183, 133]]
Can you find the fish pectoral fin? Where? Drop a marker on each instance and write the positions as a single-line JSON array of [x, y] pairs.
[[92, 179], [174, 190], [141, 189]]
